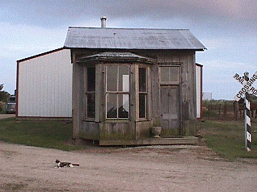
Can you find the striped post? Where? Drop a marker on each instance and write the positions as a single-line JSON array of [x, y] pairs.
[[247, 123], [246, 90]]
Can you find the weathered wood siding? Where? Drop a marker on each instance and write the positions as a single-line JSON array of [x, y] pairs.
[[116, 131], [77, 99], [143, 129], [187, 88], [89, 130], [134, 128]]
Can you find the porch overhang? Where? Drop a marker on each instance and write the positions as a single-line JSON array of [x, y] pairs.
[[120, 57]]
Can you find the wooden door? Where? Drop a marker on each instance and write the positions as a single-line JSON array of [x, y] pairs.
[[170, 111]]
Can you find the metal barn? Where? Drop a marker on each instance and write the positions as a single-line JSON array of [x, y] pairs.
[[44, 85], [199, 90], [125, 81]]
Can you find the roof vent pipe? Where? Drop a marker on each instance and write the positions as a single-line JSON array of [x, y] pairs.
[[103, 22]]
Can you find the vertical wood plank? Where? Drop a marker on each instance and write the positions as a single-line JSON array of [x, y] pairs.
[[77, 98], [102, 95], [155, 92], [133, 98], [98, 91], [161, 58], [149, 96], [175, 58], [194, 106], [136, 92]]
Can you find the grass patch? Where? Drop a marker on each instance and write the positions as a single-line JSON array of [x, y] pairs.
[[227, 138], [47, 134], [224, 137]]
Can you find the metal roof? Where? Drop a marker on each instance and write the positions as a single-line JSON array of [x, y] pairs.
[[40, 54], [128, 38]]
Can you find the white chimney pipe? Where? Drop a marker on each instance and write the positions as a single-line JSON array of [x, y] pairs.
[[103, 22]]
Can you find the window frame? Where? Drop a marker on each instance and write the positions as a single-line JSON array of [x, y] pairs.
[[145, 92], [117, 92], [177, 65], [89, 92]]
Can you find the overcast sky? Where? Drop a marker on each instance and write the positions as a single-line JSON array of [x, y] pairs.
[[228, 28]]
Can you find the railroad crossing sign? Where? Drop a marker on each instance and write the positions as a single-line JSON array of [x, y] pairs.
[[247, 85], [246, 90]]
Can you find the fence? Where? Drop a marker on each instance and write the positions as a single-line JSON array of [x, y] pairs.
[[226, 110]]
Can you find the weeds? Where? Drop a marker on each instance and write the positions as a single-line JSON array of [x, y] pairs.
[[227, 138], [224, 137]]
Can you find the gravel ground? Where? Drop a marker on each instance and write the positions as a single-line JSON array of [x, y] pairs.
[[153, 168]]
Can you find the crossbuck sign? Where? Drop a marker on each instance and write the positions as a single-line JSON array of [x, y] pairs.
[[244, 92], [247, 85]]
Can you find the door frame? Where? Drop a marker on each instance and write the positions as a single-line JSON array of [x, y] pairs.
[[178, 110], [177, 83]]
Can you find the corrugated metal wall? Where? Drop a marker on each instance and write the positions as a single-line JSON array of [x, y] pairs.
[[45, 85], [198, 90]]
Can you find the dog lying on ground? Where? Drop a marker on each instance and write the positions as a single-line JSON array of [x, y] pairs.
[[64, 164]]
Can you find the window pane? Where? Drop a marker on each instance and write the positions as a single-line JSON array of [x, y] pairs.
[[91, 79], [174, 73], [125, 83], [91, 105], [111, 105], [112, 72], [142, 79], [123, 105], [124, 78], [142, 105], [118, 79], [164, 73]]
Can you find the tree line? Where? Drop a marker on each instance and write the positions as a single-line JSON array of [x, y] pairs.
[[3, 94]]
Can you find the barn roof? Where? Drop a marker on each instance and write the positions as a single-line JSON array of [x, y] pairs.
[[131, 38], [39, 55]]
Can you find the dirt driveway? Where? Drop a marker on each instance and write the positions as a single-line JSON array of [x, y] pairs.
[[158, 168]]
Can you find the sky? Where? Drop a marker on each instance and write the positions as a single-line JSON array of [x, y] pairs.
[[228, 28]]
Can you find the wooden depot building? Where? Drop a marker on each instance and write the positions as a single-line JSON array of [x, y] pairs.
[[127, 80]]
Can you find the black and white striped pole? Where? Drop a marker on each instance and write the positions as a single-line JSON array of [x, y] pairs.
[[247, 88], [247, 104], [248, 134]]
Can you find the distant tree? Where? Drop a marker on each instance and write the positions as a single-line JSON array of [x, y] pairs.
[[3, 94], [253, 98]]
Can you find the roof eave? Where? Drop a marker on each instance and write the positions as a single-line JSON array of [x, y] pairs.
[[187, 49], [126, 57]]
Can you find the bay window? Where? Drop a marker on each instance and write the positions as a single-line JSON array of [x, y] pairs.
[[117, 91], [142, 92], [90, 93]]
